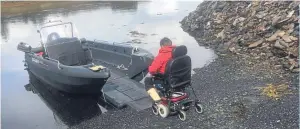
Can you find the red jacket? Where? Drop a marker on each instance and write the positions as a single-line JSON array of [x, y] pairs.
[[160, 61]]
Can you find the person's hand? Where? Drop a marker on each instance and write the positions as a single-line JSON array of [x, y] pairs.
[[148, 75]]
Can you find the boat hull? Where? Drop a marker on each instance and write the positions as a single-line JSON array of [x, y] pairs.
[[63, 79]]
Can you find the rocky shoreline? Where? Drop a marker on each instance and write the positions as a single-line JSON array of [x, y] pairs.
[[264, 34], [255, 78]]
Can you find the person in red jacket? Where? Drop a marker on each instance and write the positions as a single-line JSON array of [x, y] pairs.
[[158, 66]]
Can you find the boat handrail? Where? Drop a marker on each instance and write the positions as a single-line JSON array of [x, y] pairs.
[[122, 43], [52, 21], [135, 48], [102, 41], [58, 63], [113, 43], [59, 24], [47, 22]]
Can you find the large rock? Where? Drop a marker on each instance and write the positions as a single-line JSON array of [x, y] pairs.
[[255, 44], [278, 45]]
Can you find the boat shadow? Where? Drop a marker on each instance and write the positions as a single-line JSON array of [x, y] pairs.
[[68, 109]]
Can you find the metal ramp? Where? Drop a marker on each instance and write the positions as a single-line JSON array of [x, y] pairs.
[[122, 91]]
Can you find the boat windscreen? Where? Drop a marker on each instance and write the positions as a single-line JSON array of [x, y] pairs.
[[52, 32]]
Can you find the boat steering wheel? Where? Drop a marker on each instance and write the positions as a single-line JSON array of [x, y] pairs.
[[53, 36]]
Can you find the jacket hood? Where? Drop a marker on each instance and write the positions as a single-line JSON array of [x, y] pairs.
[[166, 49]]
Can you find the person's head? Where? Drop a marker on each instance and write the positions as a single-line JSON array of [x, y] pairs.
[[165, 42]]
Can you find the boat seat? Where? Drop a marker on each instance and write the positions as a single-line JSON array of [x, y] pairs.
[[67, 51], [112, 54]]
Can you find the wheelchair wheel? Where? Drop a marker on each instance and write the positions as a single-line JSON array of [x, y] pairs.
[[182, 115], [199, 108], [163, 110], [155, 109]]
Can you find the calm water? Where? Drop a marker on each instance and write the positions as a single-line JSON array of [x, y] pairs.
[[111, 21]]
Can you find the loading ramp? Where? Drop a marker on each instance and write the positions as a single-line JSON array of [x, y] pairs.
[[121, 91]]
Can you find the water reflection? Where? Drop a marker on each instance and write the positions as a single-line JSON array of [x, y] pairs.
[[40, 17], [4, 29], [68, 110]]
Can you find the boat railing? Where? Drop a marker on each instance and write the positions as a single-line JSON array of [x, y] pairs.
[[123, 43], [62, 23], [58, 63], [52, 21], [47, 22], [113, 43], [135, 48]]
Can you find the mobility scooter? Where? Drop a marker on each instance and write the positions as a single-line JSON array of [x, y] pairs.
[[172, 86]]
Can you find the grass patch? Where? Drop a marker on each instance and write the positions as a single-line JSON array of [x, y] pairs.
[[275, 91]]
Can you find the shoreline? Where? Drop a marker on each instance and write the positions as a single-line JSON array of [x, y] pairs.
[[7, 4], [9, 8]]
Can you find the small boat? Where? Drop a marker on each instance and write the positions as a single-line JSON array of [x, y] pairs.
[[63, 62]]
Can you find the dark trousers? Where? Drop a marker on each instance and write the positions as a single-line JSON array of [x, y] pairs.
[[148, 83]]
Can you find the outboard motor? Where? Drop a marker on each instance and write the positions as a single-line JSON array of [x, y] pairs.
[[24, 47]]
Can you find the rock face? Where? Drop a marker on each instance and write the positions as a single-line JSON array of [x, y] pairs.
[[262, 30]]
